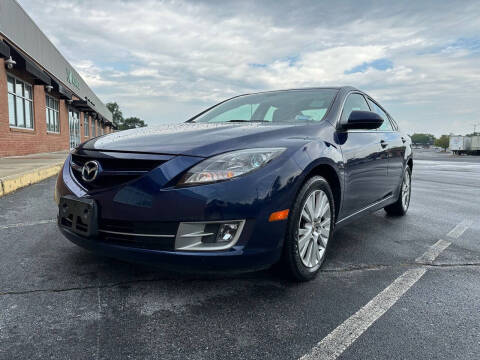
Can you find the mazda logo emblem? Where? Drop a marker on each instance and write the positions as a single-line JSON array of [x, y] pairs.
[[90, 170]]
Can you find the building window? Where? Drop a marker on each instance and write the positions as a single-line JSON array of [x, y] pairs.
[[52, 114], [86, 125], [20, 105], [93, 128]]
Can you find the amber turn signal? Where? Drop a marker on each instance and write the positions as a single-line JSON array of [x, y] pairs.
[[279, 215]]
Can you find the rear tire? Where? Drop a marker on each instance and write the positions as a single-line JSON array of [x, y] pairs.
[[310, 229], [400, 207]]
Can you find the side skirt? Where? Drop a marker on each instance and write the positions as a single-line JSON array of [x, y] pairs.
[[369, 209]]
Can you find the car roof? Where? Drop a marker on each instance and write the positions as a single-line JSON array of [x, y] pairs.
[[345, 88]]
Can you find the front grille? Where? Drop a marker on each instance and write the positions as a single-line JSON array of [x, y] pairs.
[[136, 234], [117, 168], [139, 227], [140, 242]]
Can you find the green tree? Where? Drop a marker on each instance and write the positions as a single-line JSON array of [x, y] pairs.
[[423, 139], [120, 121], [117, 115], [133, 122], [443, 142]]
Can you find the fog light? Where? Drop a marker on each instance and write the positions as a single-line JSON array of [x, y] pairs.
[[226, 232], [208, 236]]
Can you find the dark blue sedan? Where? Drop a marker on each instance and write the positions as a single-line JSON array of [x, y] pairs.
[[249, 182]]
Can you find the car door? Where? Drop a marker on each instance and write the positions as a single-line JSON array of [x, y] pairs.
[[364, 161], [394, 145]]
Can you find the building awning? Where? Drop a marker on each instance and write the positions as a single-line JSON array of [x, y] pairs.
[[4, 50], [40, 76], [81, 105], [62, 90]]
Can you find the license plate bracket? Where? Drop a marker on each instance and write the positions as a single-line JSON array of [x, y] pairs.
[[79, 215]]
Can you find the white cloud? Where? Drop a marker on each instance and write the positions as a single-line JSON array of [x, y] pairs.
[[166, 60]]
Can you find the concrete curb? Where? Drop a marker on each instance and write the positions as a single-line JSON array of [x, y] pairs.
[[11, 183]]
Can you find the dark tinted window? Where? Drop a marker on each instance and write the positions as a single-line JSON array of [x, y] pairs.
[[386, 126], [276, 106], [353, 102]]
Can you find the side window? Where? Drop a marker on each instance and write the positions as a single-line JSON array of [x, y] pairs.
[[386, 126], [353, 102]]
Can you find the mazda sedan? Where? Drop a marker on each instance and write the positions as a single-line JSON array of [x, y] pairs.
[[255, 180]]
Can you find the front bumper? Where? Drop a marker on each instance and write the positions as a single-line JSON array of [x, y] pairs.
[[151, 200], [236, 259]]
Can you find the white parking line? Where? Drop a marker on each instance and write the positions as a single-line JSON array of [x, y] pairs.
[[432, 252], [335, 343], [458, 230], [8, 226]]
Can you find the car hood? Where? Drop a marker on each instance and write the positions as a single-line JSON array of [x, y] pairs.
[[195, 139]]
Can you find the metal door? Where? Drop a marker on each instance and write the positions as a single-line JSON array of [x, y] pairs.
[[74, 126], [366, 162]]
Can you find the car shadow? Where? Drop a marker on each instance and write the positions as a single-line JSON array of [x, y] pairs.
[[123, 271]]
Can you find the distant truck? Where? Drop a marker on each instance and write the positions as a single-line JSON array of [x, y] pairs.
[[475, 145], [465, 144]]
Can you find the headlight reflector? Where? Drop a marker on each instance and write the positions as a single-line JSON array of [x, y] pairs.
[[229, 165]]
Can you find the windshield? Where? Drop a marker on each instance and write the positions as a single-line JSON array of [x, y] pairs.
[[277, 106]]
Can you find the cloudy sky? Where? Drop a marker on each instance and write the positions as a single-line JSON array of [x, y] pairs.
[[166, 60]]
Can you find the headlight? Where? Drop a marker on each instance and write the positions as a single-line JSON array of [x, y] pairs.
[[229, 165]]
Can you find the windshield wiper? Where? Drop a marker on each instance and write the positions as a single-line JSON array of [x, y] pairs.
[[247, 121]]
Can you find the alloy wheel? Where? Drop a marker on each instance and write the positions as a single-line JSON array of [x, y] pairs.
[[406, 188], [314, 228]]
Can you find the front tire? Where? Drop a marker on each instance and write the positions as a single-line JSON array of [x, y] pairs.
[[310, 229], [400, 207]]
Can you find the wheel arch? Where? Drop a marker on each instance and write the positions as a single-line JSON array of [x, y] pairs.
[[329, 173], [410, 163]]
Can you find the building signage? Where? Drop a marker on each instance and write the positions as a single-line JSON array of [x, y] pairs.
[[72, 79]]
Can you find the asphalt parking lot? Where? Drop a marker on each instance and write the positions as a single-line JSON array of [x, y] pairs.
[[389, 289]]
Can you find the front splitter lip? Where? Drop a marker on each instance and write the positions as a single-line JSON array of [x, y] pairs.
[[235, 259]]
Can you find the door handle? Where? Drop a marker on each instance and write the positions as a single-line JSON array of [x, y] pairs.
[[404, 140], [383, 143]]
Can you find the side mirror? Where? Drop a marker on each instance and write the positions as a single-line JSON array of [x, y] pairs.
[[363, 120]]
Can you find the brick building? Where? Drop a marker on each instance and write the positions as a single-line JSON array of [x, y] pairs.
[[45, 105]]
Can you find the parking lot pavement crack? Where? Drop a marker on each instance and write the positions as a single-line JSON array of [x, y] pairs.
[[79, 288], [454, 265], [360, 267], [40, 222], [339, 270], [372, 267]]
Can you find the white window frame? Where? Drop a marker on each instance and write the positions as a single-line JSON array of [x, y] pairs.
[[86, 125], [56, 114], [24, 100]]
